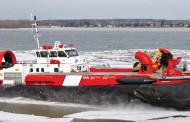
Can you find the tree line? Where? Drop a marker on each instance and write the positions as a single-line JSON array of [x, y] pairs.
[[97, 23]]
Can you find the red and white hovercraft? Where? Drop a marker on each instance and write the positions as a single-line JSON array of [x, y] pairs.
[[157, 81]]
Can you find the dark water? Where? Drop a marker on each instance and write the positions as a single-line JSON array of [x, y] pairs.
[[99, 39]]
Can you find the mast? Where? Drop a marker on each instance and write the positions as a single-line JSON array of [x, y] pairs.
[[35, 31]]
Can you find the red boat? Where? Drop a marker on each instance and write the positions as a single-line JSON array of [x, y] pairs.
[[155, 82]]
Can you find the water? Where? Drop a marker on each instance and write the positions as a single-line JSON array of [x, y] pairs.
[[99, 39]]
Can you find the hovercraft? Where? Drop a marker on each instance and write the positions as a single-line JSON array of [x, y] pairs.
[[59, 74]]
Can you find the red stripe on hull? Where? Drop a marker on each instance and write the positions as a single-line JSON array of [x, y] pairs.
[[93, 79], [87, 80], [46, 80]]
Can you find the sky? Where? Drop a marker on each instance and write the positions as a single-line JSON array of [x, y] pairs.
[[95, 9]]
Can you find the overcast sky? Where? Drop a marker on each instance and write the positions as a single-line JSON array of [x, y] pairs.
[[95, 9]]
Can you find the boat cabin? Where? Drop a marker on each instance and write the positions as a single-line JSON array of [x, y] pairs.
[[63, 53]]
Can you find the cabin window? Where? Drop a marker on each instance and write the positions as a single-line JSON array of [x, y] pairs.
[[56, 70], [61, 54], [42, 69], [52, 54], [37, 70], [71, 53], [31, 69], [37, 54], [44, 53]]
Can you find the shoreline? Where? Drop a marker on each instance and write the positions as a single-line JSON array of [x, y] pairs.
[[98, 27]]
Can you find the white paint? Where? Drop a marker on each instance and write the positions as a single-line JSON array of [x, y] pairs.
[[72, 80], [8, 82]]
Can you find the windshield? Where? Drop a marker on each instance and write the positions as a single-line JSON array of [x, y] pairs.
[[71, 53], [61, 54]]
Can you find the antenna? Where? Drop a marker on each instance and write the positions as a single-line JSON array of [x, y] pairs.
[[35, 31]]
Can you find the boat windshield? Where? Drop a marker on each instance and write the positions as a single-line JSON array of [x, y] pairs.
[[71, 53], [61, 54]]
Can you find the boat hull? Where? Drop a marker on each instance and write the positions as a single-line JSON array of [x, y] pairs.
[[165, 95]]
